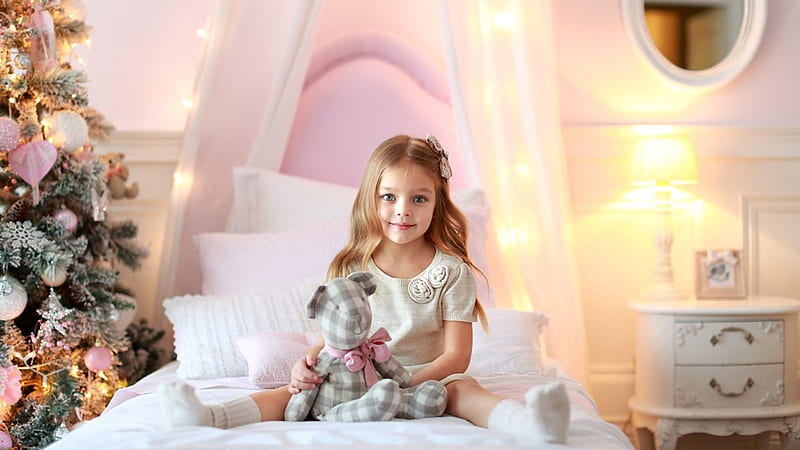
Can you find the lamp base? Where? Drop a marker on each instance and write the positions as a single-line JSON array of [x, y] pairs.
[[665, 291]]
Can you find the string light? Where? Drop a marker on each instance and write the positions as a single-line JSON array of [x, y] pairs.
[[505, 19], [202, 33]]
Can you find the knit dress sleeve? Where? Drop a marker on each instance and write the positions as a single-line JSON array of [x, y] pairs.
[[458, 299]]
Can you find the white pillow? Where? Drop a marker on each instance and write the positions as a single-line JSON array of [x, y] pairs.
[[264, 200], [206, 327], [511, 346], [232, 262]]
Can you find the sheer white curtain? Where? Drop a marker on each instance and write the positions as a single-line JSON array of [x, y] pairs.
[[503, 84], [248, 88]]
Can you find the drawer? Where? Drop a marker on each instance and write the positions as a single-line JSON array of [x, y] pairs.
[[729, 386], [721, 343]]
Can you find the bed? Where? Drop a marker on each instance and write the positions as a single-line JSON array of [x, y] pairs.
[[248, 325], [247, 328]]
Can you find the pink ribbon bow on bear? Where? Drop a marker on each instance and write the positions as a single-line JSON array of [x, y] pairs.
[[361, 357]]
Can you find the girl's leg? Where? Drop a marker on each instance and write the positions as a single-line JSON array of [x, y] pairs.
[[543, 418], [272, 402], [181, 407], [469, 400]]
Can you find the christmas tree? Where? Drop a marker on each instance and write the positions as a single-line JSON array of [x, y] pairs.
[[59, 294]]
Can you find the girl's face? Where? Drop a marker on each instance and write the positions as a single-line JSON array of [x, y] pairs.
[[406, 198]]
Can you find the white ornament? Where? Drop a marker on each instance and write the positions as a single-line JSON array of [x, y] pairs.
[[67, 130], [13, 298], [54, 275]]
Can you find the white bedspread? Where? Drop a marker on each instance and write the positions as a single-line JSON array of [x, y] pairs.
[[133, 420]]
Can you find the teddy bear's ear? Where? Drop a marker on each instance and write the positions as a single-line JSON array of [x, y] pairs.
[[365, 279], [311, 308]]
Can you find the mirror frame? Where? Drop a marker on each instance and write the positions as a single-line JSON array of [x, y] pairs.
[[754, 21]]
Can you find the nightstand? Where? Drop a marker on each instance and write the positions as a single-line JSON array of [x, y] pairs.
[[719, 367]]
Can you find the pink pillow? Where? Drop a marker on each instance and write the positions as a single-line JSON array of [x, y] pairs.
[[271, 355]]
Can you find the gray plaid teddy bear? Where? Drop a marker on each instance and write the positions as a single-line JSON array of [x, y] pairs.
[[351, 360]]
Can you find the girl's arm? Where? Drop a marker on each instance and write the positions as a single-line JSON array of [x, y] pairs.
[[302, 376], [456, 355]]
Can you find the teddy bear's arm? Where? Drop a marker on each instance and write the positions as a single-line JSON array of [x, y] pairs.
[[300, 404], [394, 370]]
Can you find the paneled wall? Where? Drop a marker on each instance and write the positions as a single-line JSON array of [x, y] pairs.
[[748, 198], [151, 158]]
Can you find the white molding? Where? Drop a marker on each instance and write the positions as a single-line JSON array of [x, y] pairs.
[[139, 207], [617, 141], [751, 207], [144, 147]]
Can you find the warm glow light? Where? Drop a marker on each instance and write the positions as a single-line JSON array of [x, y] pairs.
[[182, 179], [187, 103], [202, 33], [663, 160], [511, 236], [505, 19], [654, 130], [650, 197]]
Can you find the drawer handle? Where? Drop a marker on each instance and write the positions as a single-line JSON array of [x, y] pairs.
[[718, 337], [715, 385]]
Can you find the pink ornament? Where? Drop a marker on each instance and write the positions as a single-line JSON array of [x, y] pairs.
[[10, 391], [32, 161], [67, 218], [97, 358], [43, 43], [9, 134], [5, 441]]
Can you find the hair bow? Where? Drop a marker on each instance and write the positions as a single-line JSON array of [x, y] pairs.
[[444, 159]]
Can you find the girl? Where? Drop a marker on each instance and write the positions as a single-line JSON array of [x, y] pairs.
[[407, 232]]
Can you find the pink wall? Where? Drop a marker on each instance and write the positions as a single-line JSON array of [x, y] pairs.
[[143, 60], [604, 80]]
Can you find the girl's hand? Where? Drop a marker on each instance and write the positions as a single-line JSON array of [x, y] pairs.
[[303, 377]]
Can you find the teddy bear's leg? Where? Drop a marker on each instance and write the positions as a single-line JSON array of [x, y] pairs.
[[427, 399], [380, 403]]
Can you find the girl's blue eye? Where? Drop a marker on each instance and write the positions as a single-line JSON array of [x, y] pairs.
[[420, 199], [387, 197]]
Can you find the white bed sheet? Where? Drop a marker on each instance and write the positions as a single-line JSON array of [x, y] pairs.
[[133, 420]]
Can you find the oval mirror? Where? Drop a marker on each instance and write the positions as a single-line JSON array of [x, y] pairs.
[[699, 43]]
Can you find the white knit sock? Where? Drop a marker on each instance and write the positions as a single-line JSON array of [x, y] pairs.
[[543, 418], [181, 407]]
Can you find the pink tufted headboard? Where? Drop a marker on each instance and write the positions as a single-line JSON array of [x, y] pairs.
[[362, 88]]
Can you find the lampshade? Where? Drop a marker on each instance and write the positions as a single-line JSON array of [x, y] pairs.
[[664, 160]]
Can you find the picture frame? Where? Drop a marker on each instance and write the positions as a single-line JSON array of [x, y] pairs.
[[719, 274]]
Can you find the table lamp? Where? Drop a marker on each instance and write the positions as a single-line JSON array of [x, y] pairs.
[[663, 162]]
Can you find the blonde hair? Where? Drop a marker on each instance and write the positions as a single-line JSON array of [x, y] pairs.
[[448, 228]]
